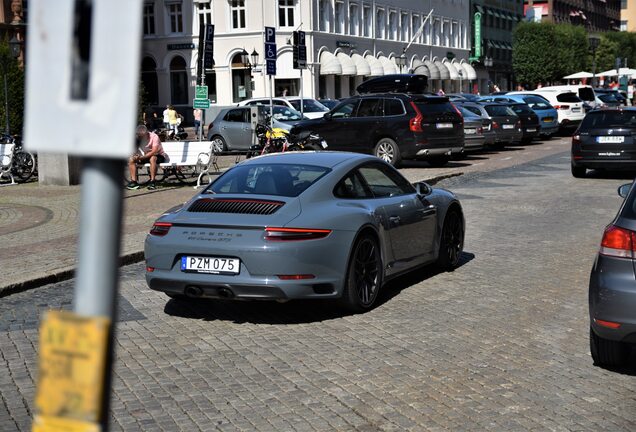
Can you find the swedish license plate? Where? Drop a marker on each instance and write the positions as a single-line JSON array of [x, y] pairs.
[[323, 143], [444, 125], [576, 109], [610, 139], [508, 126], [470, 131], [531, 130], [213, 265]]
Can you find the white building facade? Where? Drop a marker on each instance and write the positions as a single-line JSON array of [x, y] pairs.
[[347, 41]]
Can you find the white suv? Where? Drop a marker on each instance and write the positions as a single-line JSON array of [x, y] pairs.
[[311, 107], [568, 105]]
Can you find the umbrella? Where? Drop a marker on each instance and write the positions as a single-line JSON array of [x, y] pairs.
[[579, 75], [622, 71]]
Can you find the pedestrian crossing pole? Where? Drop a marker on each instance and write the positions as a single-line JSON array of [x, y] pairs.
[[84, 58]]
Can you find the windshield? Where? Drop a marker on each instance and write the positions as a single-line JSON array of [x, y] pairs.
[[309, 105], [499, 110], [521, 109], [284, 114], [288, 180], [609, 119]]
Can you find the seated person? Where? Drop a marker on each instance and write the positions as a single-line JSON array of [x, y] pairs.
[[153, 153]]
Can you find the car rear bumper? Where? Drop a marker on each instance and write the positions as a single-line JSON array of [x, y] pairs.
[[474, 142], [549, 129], [612, 297], [508, 136], [615, 164]]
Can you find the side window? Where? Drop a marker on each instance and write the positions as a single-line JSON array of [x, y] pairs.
[[344, 111], [368, 108], [383, 182], [236, 115], [393, 107], [351, 187]]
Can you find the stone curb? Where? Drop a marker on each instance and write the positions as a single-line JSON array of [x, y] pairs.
[[129, 258]]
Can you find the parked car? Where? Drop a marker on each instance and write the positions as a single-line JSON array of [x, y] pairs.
[[619, 95], [303, 225], [490, 137], [530, 125], [584, 92], [311, 107], [569, 106], [606, 139], [474, 138], [231, 130], [548, 116], [504, 122], [463, 96], [612, 289], [609, 100], [392, 126]]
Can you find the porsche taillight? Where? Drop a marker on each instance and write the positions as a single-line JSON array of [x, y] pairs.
[[294, 234], [160, 229]]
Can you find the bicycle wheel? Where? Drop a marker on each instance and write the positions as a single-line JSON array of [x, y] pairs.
[[23, 166], [187, 175]]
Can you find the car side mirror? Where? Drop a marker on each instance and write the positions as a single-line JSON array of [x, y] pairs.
[[423, 188], [327, 116], [624, 190]]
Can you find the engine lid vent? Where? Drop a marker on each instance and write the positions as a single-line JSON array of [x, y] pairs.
[[236, 206]]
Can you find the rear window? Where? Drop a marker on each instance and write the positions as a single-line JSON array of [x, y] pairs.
[[536, 103], [434, 106], [468, 114], [607, 97], [499, 110], [521, 109], [288, 180], [609, 119], [586, 93], [568, 97]]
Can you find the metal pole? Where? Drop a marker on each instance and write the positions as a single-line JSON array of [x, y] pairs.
[[271, 103], [99, 244], [6, 98], [302, 102]]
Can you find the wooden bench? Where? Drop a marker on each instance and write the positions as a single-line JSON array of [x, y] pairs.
[[6, 162]]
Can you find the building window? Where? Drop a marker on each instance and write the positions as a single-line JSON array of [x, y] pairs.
[[623, 6], [286, 13], [149, 19], [393, 25], [149, 79], [178, 81], [325, 15], [237, 12], [354, 19], [455, 35], [404, 27], [415, 26], [340, 17], [623, 25], [380, 24], [176, 17], [366, 19], [437, 34], [426, 36], [204, 10]]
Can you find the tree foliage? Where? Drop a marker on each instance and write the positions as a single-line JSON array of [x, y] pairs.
[[15, 90], [534, 55]]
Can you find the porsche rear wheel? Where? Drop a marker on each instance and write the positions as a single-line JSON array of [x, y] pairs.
[[451, 242], [364, 275]]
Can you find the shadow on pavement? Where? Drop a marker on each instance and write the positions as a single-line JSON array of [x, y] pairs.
[[292, 312], [611, 175]]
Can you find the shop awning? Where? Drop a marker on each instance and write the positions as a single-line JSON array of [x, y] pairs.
[[347, 65], [375, 66], [451, 69], [443, 70], [329, 64], [433, 69], [419, 68], [388, 66], [471, 74], [362, 67]]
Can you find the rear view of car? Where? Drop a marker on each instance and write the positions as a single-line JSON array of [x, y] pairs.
[[605, 140], [505, 123], [548, 116], [528, 119], [612, 290], [568, 105]]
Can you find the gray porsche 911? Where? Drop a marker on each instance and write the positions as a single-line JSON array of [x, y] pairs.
[[303, 225]]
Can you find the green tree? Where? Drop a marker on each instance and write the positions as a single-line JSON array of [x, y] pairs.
[[15, 90], [534, 58], [572, 49], [606, 54]]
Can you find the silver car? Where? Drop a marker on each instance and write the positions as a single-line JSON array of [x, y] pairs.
[[303, 225]]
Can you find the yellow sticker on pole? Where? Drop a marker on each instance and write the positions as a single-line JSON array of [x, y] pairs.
[[72, 366]]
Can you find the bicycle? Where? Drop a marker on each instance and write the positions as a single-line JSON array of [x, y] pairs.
[[24, 163]]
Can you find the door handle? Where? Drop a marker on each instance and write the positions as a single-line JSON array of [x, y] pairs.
[[430, 210]]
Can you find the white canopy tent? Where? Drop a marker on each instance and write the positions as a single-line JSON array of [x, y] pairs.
[[621, 72], [579, 75]]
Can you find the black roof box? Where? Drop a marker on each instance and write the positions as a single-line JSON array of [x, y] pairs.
[[397, 83]]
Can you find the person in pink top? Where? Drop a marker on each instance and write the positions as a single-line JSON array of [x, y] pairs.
[[151, 152]]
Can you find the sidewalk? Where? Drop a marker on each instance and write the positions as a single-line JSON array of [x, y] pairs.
[[39, 225]]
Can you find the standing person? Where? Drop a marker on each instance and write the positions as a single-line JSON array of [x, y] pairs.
[[495, 88], [166, 118], [630, 93], [440, 92], [172, 119], [153, 153], [197, 121]]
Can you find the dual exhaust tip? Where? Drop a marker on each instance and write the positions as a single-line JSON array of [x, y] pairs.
[[194, 291]]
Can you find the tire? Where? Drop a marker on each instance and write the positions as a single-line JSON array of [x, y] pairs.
[[23, 166], [578, 171], [607, 352], [218, 144], [438, 161], [387, 150], [364, 275], [451, 242]]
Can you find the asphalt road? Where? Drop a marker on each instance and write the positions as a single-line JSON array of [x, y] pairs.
[[499, 344]]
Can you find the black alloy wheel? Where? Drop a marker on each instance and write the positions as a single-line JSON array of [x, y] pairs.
[[451, 242], [23, 166], [364, 275], [607, 352]]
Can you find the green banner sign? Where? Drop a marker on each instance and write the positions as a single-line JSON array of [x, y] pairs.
[[201, 103], [477, 34]]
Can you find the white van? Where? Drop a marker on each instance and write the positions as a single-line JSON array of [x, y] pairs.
[[585, 92], [568, 105]]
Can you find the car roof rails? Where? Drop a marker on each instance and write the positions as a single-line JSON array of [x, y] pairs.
[[395, 83]]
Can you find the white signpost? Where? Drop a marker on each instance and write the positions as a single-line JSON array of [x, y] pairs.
[[82, 88]]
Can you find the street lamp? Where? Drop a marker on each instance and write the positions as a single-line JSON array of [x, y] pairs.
[[14, 45], [254, 57], [400, 61], [594, 40]]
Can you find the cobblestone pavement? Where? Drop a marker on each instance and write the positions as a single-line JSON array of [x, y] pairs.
[[38, 225], [500, 344]]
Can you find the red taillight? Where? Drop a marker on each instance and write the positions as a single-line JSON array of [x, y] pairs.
[[293, 234], [150, 269], [618, 242], [608, 324], [576, 139], [495, 125], [296, 277], [480, 131], [457, 110], [415, 124], [160, 228], [562, 107]]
